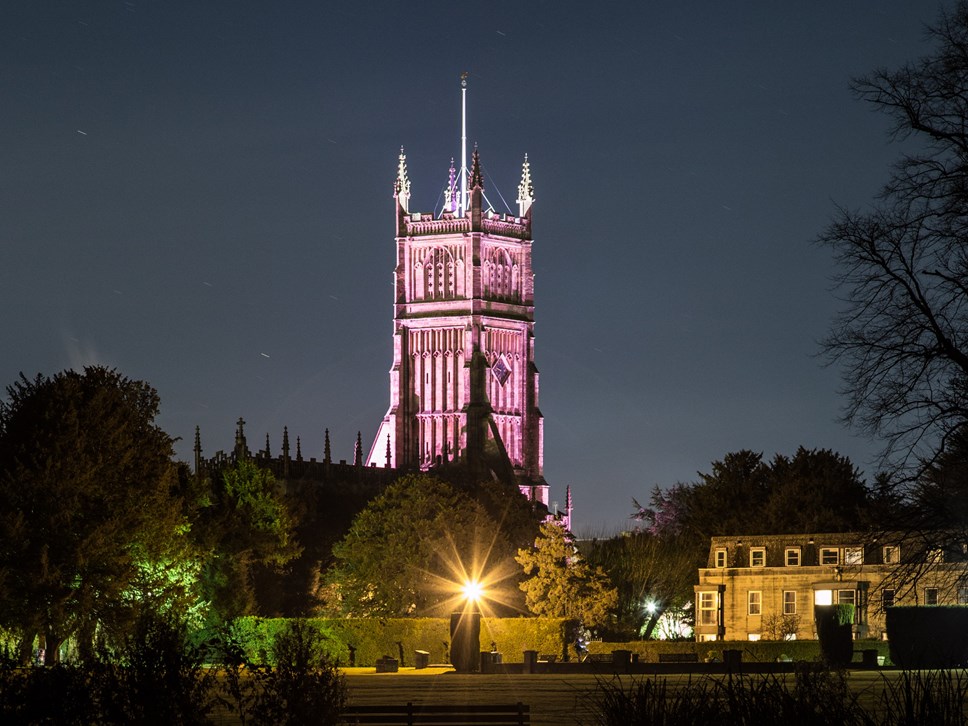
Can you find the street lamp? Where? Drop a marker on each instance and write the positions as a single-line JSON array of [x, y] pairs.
[[465, 630]]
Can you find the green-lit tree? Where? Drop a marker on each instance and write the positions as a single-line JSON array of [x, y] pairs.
[[411, 547], [243, 523], [92, 510], [561, 583]]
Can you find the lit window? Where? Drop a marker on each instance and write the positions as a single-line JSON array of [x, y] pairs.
[[708, 607], [887, 598], [755, 602], [823, 597], [853, 555], [792, 556], [720, 558], [753, 636], [757, 557], [892, 555], [931, 596], [829, 556], [789, 602]]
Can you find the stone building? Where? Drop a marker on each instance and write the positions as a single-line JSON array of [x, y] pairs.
[[763, 587], [463, 382], [463, 379]]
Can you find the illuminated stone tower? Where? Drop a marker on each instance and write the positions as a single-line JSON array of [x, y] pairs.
[[463, 384]]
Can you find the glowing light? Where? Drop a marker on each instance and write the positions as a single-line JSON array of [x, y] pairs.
[[473, 590], [650, 607]]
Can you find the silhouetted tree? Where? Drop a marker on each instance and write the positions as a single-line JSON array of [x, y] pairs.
[[91, 506], [903, 264], [814, 491]]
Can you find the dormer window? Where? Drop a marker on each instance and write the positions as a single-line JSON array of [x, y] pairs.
[[720, 558], [757, 557]]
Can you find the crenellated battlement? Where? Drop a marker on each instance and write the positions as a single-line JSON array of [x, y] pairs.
[[423, 224], [289, 469]]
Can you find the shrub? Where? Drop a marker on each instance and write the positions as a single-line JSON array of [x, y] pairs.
[[814, 697], [156, 676], [58, 694], [835, 632], [304, 686], [925, 697]]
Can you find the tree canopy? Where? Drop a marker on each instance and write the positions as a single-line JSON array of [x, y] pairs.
[[409, 551], [812, 491], [902, 339], [652, 575], [561, 583], [243, 522], [91, 506]]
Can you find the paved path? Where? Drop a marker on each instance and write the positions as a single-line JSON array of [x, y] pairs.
[[554, 700]]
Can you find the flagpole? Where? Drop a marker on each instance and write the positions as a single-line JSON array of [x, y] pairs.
[[463, 143]]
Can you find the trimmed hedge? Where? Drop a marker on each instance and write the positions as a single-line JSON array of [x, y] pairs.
[[928, 636], [374, 638], [762, 651], [513, 636]]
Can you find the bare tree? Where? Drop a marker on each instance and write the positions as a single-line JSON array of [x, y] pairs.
[[902, 338]]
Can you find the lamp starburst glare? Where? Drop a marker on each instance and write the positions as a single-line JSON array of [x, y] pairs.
[[473, 590]]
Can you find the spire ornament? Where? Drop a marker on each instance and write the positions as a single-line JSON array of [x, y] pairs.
[[450, 195], [401, 187], [525, 189], [477, 179]]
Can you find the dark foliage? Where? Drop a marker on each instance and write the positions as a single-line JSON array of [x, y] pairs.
[[815, 698], [304, 686], [91, 506], [913, 633]]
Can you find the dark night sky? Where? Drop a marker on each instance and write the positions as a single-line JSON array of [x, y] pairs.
[[200, 194]]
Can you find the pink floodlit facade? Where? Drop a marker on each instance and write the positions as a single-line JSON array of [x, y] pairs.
[[463, 384]]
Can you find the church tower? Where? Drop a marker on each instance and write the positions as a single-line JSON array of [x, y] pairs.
[[463, 384]]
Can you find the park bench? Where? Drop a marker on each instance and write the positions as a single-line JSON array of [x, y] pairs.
[[517, 714], [678, 658]]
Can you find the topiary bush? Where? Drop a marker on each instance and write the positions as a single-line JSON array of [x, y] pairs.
[[835, 632]]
